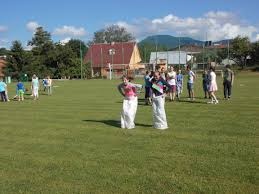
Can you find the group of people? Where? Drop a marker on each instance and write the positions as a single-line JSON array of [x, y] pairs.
[[20, 88], [210, 84], [129, 91], [159, 84]]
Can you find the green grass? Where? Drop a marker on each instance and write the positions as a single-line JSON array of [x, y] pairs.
[[71, 143]]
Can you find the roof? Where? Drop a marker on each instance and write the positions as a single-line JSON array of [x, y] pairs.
[[114, 53], [171, 56]]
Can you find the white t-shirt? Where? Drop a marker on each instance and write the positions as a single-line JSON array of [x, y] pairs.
[[171, 78], [213, 77], [49, 82], [35, 82], [190, 77]]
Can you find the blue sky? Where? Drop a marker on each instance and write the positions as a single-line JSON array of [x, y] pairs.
[[81, 18]]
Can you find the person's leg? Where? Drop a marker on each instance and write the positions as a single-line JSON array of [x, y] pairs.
[[189, 90], [173, 92], [192, 91], [229, 89], [214, 98], [178, 89], [225, 85], [22, 95], [2, 97], [204, 85]]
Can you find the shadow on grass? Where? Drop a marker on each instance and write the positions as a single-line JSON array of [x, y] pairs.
[[114, 123], [193, 101]]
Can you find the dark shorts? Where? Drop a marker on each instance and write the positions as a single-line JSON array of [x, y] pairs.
[[147, 92], [190, 86], [205, 87]]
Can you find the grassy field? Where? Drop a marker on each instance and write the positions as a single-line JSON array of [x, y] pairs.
[[71, 142]]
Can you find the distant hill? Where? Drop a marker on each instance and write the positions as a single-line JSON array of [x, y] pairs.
[[170, 41]]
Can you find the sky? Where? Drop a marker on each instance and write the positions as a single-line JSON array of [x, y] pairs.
[[79, 19]]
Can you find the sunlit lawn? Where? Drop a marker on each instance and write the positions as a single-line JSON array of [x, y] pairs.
[[71, 142]]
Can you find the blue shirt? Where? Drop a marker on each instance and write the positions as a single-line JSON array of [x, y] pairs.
[[20, 86], [147, 81], [2, 86], [179, 78]]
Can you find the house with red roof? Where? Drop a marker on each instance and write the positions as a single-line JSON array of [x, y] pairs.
[[120, 57], [2, 65]]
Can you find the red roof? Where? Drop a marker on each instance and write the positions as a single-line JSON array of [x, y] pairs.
[[100, 54]]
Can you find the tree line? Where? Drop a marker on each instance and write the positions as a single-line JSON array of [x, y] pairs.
[[64, 60]]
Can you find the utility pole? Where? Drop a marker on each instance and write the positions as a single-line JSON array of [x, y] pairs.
[[179, 46], [81, 61], [228, 51]]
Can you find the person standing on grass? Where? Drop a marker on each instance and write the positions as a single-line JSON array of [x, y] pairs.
[[213, 86], [49, 85], [20, 90], [130, 103], [158, 102], [3, 90], [190, 82], [35, 87], [171, 80], [147, 79], [205, 83], [179, 83], [228, 80], [44, 83]]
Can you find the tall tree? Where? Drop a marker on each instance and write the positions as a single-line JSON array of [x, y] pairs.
[[240, 50], [40, 38], [77, 46], [43, 52], [16, 60], [255, 53], [113, 33]]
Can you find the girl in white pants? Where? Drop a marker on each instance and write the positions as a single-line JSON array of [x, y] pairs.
[[130, 102], [158, 99]]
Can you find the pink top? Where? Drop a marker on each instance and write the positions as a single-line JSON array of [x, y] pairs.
[[129, 90]]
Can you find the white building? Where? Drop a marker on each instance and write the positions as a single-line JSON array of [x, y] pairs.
[[169, 58]]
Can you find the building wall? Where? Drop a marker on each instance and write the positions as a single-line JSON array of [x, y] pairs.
[[2, 65]]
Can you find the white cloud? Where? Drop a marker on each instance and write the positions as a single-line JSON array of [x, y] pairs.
[[257, 37], [213, 25], [4, 43], [32, 25], [3, 28], [65, 41], [70, 31], [28, 48]]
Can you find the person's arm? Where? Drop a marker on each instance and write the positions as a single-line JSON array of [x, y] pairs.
[[165, 83], [194, 76], [138, 86], [120, 90]]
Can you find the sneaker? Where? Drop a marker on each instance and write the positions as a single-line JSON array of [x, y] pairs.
[[216, 102]]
